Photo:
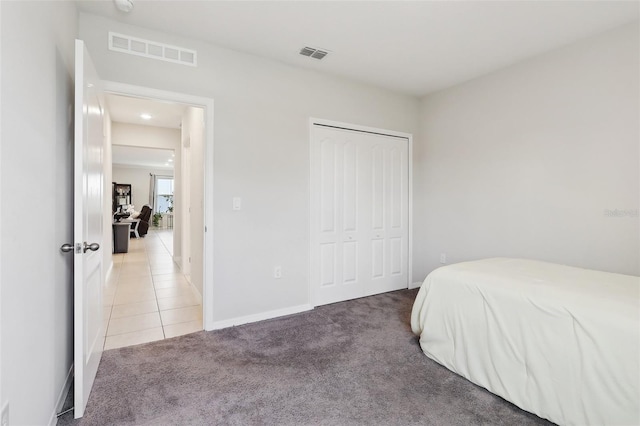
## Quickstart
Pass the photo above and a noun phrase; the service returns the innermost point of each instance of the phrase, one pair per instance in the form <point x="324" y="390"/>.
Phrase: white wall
<point x="2" y="400"/>
<point x="107" y="219"/>
<point x="36" y="175"/>
<point x="147" y="137"/>
<point x="192" y="127"/>
<point x="139" y="179"/>
<point x="262" y="111"/>
<point x="177" y="201"/>
<point x="524" y="162"/>
<point x="144" y="136"/>
<point x="182" y="198"/>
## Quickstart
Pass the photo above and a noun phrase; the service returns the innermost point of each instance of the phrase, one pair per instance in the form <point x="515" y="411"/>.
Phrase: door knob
<point x="65" y="248"/>
<point x="92" y="247"/>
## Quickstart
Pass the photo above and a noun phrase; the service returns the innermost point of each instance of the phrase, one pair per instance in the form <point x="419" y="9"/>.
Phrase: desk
<point x="121" y="237"/>
<point x="119" y="216"/>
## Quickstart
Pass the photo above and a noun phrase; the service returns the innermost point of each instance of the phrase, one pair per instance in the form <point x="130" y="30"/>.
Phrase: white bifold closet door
<point x="360" y="204"/>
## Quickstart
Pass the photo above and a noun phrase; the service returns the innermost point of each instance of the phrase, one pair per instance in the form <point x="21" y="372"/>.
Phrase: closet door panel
<point x="337" y="277"/>
<point x="328" y="264"/>
<point x="389" y="231"/>
<point x="359" y="214"/>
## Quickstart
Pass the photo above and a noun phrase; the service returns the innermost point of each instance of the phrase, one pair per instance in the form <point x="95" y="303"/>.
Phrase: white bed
<point x="558" y="341"/>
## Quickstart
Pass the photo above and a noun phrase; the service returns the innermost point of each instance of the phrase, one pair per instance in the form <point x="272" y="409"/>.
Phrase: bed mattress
<point x="558" y="341"/>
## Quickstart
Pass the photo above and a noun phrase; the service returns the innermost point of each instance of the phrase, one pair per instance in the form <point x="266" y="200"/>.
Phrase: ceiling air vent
<point x="151" y="49"/>
<point x="312" y="52"/>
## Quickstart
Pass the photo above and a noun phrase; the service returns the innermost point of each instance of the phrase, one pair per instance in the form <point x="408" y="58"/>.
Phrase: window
<point x="164" y="194"/>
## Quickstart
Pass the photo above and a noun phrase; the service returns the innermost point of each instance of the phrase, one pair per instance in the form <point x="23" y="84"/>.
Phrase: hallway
<point x="146" y="296"/>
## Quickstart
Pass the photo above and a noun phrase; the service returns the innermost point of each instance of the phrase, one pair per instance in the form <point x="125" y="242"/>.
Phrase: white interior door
<point x="338" y="191"/>
<point x="385" y="218"/>
<point x="88" y="184"/>
<point x="359" y="213"/>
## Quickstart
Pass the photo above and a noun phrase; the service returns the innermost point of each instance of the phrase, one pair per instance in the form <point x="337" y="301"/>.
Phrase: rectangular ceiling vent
<point x="312" y="52"/>
<point x="152" y="49"/>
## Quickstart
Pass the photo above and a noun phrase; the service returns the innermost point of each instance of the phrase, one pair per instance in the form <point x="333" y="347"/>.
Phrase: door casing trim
<point x="208" y="105"/>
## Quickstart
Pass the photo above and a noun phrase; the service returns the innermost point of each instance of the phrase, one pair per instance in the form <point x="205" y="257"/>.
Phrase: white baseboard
<point x="62" y="397"/>
<point x="217" y="325"/>
<point x="196" y="292"/>
<point x="415" y="285"/>
<point x="178" y="260"/>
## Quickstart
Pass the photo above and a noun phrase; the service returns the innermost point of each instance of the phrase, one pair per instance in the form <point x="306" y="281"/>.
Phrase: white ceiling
<point x="150" y="158"/>
<point x="415" y="47"/>
<point x="125" y="109"/>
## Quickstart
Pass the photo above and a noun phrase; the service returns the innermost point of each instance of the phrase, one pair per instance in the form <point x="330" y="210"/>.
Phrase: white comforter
<point x="558" y="341"/>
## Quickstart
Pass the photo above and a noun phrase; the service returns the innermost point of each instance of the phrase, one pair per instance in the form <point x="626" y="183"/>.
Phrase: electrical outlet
<point x="4" y="418"/>
<point x="443" y="258"/>
<point x="277" y="272"/>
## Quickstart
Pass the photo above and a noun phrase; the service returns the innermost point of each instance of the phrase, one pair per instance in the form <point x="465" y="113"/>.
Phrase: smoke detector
<point x="313" y="52"/>
<point x="125" y="6"/>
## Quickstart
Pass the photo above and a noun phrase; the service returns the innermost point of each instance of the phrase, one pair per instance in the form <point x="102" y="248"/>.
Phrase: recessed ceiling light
<point x="170" y="159"/>
<point x="145" y="116"/>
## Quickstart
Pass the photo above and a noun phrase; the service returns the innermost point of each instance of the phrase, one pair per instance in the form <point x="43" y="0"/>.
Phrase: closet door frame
<point x="314" y="262"/>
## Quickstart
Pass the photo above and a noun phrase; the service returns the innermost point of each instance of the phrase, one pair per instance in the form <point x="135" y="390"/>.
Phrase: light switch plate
<point x="237" y="203"/>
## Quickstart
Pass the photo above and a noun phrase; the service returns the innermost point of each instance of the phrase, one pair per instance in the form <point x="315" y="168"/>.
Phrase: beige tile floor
<point x="146" y="296"/>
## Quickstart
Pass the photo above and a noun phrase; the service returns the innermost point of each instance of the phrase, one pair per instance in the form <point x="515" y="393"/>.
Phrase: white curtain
<point x="152" y="190"/>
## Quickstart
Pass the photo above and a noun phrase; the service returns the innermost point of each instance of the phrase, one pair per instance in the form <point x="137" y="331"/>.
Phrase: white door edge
<point x="88" y="327"/>
<point x="313" y="160"/>
<point x="207" y="104"/>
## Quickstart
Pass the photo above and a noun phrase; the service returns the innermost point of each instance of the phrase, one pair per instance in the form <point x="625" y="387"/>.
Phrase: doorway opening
<point x="156" y="286"/>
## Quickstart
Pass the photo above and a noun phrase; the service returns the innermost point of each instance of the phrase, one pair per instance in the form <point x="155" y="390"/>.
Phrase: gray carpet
<point x="350" y="363"/>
